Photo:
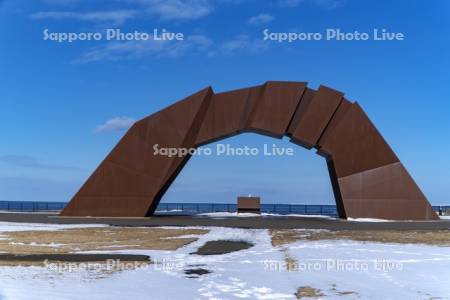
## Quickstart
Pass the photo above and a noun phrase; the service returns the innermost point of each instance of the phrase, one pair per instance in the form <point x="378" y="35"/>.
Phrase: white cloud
<point x="326" y="4"/>
<point x="115" y="124"/>
<point x="115" y="51"/>
<point x="62" y="2"/>
<point x="239" y="44"/>
<point x="115" y="16"/>
<point x="329" y="4"/>
<point x="178" y="9"/>
<point x="260" y="19"/>
<point x="289" y="3"/>
<point x="167" y="10"/>
<point x="138" y="49"/>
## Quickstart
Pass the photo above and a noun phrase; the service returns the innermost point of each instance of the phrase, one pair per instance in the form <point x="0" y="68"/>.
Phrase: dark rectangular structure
<point x="248" y="205"/>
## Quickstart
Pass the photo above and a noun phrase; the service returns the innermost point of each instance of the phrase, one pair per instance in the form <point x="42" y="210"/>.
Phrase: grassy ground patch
<point x="94" y="239"/>
<point x="308" y="292"/>
<point x="437" y="237"/>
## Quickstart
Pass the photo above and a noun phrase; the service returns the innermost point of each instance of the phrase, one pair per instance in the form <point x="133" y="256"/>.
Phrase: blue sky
<point x="56" y="98"/>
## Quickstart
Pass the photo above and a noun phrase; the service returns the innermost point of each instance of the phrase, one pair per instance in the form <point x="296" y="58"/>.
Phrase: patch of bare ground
<point x="96" y="239"/>
<point x="436" y="238"/>
<point x="222" y="247"/>
<point x="308" y="292"/>
<point x="291" y="263"/>
<point x="102" y="266"/>
<point x="341" y="293"/>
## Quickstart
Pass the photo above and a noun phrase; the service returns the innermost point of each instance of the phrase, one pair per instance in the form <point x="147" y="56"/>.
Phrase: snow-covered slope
<point x="390" y="271"/>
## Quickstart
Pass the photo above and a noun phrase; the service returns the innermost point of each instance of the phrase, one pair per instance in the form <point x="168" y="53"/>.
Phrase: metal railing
<point x="31" y="206"/>
<point x="198" y="208"/>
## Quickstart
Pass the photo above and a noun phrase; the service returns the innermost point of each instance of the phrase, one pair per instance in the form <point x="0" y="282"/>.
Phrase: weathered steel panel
<point x="367" y="177"/>
<point x="315" y="116"/>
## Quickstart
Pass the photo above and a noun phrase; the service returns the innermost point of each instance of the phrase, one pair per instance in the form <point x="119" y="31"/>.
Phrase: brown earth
<point x="436" y="238"/>
<point x="308" y="292"/>
<point x="94" y="239"/>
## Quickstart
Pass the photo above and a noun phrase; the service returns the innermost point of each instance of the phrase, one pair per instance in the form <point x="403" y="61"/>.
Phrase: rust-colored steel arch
<point x="367" y="177"/>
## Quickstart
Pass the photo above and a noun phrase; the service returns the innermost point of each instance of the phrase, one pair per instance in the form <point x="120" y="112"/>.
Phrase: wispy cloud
<point x="239" y="44"/>
<point x="260" y="19"/>
<point x="115" y="124"/>
<point x="330" y="4"/>
<point x="178" y="9"/>
<point x="326" y="4"/>
<point x="114" y="51"/>
<point x="167" y="10"/>
<point x="62" y="2"/>
<point x="116" y="17"/>
<point x="288" y="3"/>
<point x="33" y="162"/>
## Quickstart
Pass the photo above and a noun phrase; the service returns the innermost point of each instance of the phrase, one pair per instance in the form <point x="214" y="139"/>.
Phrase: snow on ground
<point x="374" y="270"/>
<point x="244" y="215"/>
<point x="46" y="212"/>
<point x="11" y="226"/>
<point x="384" y="220"/>
<point x="369" y="220"/>
<point x="234" y="275"/>
<point x="353" y="269"/>
<point x="169" y="211"/>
